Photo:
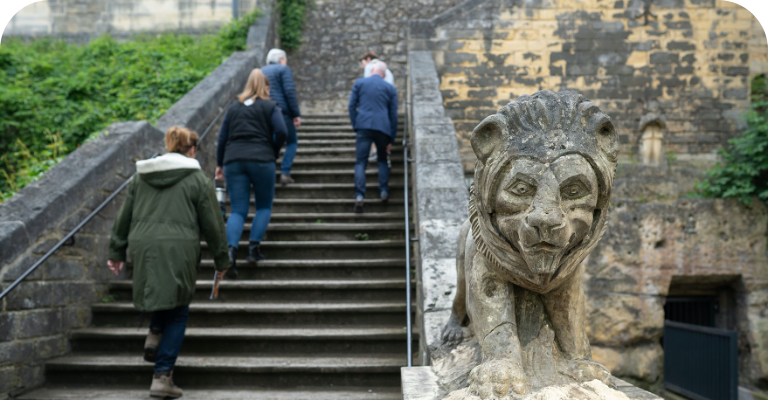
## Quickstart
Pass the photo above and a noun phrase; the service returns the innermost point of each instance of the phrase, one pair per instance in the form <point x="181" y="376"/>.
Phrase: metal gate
<point x="700" y="362"/>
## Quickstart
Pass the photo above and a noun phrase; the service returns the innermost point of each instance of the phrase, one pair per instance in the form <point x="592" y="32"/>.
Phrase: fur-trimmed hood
<point x="166" y="170"/>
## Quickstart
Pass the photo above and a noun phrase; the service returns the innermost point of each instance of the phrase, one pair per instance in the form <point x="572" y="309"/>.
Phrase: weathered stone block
<point x="443" y="203"/>
<point x="7" y="326"/>
<point x="16" y="352"/>
<point x="39" y="323"/>
<point x="620" y="320"/>
<point x="642" y="362"/>
<point x="28" y="295"/>
<point x="438" y="238"/>
<point x="438" y="283"/>
<point x="437" y="176"/>
<point x="439" y="150"/>
<point x="51" y="347"/>
<point x="56" y="268"/>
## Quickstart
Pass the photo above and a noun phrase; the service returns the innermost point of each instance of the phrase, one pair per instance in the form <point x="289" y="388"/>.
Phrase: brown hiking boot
<point x="286" y="179"/>
<point x="151" y="345"/>
<point x="163" y="387"/>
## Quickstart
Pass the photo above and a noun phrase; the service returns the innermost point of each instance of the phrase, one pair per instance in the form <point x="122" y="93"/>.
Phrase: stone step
<point x="321" y="164"/>
<point x="272" y="291"/>
<point x="341" y="176"/>
<point x="342" y="205"/>
<point x="321" y="249"/>
<point x="392" y="216"/>
<point x="211" y="372"/>
<point x="141" y="391"/>
<point x="303" y="231"/>
<point x="211" y="313"/>
<point x="252" y="341"/>
<point x="316" y="269"/>
<point x="339" y="135"/>
<point x="333" y="190"/>
<point x="341" y="151"/>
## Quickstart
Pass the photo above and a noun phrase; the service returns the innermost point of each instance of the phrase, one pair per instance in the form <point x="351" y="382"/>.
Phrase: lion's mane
<point x="542" y="126"/>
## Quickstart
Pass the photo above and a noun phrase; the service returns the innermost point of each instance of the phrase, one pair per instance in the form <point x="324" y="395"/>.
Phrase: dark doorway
<point x="700" y="343"/>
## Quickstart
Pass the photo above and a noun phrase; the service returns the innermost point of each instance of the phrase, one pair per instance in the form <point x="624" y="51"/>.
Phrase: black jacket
<point x="251" y="131"/>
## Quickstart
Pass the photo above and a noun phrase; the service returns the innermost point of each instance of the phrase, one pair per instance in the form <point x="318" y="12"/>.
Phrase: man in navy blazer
<point x="373" y="112"/>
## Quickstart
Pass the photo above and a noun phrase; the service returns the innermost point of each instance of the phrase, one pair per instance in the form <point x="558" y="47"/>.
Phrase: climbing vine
<point x="292" y="16"/>
<point x="744" y="170"/>
<point x="54" y="95"/>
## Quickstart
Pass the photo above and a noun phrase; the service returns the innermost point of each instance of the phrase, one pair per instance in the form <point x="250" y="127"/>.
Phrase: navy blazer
<point x="373" y="105"/>
<point x="281" y="88"/>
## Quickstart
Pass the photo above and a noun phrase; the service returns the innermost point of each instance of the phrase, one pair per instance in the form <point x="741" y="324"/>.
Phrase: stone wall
<point x="338" y="32"/>
<point x="36" y="318"/>
<point x="88" y="18"/>
<point x="441" y="199"/>
<point x="657" y="243"/>
<point x="691" y="62"/>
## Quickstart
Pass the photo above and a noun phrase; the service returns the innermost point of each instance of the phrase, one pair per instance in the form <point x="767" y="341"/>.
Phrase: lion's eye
<point x="521" y="188"/>
<point x="573" y="191"/>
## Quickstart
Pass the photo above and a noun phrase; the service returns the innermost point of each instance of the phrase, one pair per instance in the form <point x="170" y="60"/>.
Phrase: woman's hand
<point x="220" y="275"/>
<point x="115" y="266"/>
<point x="297" y="122"/>
<point x="219" y="173"/>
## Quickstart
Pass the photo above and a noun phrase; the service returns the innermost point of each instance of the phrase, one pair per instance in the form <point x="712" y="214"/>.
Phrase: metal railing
<point x="700" y="362"/>
<point x="90" y="216"/>
<point x="406" y="160"/>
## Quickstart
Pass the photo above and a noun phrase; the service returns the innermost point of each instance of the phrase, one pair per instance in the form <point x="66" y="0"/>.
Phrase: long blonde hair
<point x="180" y="140"/>
<point x="257" y="86"/>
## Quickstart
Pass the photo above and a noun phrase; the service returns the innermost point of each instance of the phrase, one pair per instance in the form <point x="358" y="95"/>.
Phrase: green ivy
<point x="54" y="95"/>
<point x="292" y="15"/>
<point x="744" y="171"/>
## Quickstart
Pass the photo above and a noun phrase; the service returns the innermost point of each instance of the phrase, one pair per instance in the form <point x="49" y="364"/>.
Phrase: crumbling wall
<point x="691" y="62"/>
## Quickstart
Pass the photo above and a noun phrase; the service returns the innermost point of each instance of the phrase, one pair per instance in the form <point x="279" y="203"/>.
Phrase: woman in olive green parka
<point x="170" y="204"/>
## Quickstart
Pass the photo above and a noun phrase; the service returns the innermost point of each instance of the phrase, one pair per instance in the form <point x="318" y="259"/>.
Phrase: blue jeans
<point x="362" y="148"/>
<point x="291" y="145"/>
<point x="173" y="324"/>
<point x="240" y="175"/>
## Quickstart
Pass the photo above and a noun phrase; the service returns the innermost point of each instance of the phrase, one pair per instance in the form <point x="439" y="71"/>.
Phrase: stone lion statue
<point x="538" y="207"/>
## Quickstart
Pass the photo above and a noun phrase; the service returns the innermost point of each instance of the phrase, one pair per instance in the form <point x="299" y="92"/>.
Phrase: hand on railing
<point x="115" y="266"/>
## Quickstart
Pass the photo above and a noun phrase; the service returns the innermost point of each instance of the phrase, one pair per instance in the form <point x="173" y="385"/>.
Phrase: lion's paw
<point x="493" y="379"/>
<point x="586" y="370"/>
<point x="453" y="333"/>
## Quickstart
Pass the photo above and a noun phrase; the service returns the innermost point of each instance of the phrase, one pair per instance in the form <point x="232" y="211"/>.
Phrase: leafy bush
<point x="292" y="14"/>
<point x="54" y="95"/>
<point x="745" y="170"/>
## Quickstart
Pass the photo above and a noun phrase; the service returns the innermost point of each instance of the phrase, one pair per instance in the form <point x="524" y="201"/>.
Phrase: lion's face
<point x="544" y="210"/>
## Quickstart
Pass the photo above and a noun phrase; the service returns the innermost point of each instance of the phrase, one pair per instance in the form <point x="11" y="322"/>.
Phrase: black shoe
<point x="232" y="271"/>
<point x="358" y="206"/>
<point x="254" y="255"/>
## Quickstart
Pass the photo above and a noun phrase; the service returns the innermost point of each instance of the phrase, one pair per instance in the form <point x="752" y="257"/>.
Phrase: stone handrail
<point x="441" y="199"/>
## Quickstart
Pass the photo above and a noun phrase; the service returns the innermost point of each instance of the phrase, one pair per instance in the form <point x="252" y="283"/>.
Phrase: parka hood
<point x="166" y="170"/>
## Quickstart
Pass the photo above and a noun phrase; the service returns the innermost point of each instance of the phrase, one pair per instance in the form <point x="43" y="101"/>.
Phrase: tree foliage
<point x="744" y="171"/>
<point x="54" y="95"/>
<point x="292" y="15"/>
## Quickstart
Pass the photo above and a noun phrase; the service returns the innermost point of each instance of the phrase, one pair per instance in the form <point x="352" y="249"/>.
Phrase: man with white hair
<point x="283" y="91"/>
<point x="373" y="112"/>
<point x="370" y="59"/>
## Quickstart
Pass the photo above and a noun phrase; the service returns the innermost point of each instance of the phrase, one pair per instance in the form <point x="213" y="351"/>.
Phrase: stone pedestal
<point x="421" y="383"/>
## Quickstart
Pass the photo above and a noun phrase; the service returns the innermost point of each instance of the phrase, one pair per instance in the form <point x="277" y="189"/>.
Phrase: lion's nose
<point x="545" y="220"/>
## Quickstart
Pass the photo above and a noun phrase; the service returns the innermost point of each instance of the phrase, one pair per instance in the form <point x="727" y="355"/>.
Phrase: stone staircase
<point x="322" y="318"/>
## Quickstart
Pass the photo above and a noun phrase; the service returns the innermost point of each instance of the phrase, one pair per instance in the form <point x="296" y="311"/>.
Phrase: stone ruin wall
<point x="337" y="32"/>
<point x="691" y="63"/>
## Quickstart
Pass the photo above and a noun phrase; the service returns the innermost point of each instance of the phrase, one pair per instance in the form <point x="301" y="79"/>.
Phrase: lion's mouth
<point x="545" y="247"/>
